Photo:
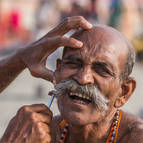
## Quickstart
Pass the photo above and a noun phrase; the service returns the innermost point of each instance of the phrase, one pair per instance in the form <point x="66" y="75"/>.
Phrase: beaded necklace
<point x="112" y="137"/>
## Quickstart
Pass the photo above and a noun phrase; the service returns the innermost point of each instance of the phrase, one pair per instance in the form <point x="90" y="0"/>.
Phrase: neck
<point x="93" y="132"/>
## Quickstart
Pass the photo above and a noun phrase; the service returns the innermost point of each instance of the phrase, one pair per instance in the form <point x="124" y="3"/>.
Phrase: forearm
<point x="10" y="67"/>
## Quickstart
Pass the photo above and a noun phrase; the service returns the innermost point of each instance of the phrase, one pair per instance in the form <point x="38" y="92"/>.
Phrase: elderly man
<point x="91" y="82"/>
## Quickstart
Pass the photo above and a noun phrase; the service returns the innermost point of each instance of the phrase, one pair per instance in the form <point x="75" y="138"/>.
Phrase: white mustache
<point x="89" y="90"/>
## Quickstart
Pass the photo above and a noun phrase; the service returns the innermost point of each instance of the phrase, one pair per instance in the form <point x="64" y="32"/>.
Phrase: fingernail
<point x="79" y="44"/>
<point x="90" y="25"/>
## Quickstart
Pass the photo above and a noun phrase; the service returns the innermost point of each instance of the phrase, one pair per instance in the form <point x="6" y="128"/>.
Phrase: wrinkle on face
<point x="104" y="44"/>
<point x="102" y="47"/>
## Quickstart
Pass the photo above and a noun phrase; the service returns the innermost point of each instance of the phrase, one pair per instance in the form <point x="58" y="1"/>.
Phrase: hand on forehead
<point x="100" y="38"/>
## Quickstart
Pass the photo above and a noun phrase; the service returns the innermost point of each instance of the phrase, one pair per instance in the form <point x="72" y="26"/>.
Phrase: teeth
<point x="80" y="95"/>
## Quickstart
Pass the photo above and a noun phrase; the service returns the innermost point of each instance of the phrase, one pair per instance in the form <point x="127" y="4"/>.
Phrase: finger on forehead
<point x="64" y="41"/>
<point x="71" y="42"/>
<point x="75" y="23"/>
<point x="80" y="23"/>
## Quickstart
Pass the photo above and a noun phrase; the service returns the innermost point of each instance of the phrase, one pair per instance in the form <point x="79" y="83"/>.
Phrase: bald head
<point x="102" y="38"/>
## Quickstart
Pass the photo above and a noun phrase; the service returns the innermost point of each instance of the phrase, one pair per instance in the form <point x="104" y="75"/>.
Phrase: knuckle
<point x="23" y="110"/>
<point x="81" y="18"/>
<point x="67" y="21"/>
<point x="33" y="117"/>
<point x="39" y="129"/>
<point x="47" y="110"/>
<point x="70" y="40"/>
<point x="48" y="139"/>
<point x="43" y="105"/>
<point x="62" y="40"/>
<point x="38" y="126"/>
<point x="42" y="132"/>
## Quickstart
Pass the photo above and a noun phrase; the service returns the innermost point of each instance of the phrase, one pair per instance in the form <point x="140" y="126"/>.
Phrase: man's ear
<point x="58" y="63"/>
<point x="127" y="88"/>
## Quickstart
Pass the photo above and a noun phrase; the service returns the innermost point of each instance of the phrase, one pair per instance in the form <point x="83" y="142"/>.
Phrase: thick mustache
<point x="89" y="90"/>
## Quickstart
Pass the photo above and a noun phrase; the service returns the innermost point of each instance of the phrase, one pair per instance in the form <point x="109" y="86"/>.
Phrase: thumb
<point x="40" y="71"/>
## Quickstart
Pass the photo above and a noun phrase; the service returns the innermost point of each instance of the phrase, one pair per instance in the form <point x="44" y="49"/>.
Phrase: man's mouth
<point x="80" y="98"/>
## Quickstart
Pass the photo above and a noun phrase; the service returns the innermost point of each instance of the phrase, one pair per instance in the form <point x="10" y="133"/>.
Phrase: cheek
<point x="61" y="103"/>
<point x="111" y="89"/>
<point x="108" y="86"/>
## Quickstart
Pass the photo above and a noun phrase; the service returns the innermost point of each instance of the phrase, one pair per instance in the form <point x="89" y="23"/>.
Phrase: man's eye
<point x="72" y="64"/>
<point x="102" y="71"/>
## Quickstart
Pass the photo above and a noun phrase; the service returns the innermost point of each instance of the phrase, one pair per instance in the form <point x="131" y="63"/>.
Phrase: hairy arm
<point x="10" y="68"/>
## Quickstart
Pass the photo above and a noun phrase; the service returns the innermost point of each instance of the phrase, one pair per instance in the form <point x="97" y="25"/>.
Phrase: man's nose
<point x="84" y="76"/>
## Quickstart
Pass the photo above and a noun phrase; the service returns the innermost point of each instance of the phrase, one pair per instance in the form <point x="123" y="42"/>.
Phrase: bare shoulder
<point x="55" y="128"/>
<point x="131" y="129"/>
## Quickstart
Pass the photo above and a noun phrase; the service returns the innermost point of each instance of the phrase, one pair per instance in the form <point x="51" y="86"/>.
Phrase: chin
<point x="79" y="119"/>
<point x="78" y="114"/>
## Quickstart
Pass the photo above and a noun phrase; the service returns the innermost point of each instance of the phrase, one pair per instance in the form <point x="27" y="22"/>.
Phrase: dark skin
<point x="34" y="56"/>
<point x="100" y="61"/>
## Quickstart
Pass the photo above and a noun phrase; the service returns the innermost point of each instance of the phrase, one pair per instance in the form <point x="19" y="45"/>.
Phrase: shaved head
<point x="105" y="36"/>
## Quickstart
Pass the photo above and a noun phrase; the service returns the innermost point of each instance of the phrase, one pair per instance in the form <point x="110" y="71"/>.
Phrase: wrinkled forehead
<point x="99" y="42"/>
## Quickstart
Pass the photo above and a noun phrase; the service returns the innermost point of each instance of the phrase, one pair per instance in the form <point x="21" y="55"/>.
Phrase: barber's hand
<point x="30" y="125"/>
<point x="34" y="57"/>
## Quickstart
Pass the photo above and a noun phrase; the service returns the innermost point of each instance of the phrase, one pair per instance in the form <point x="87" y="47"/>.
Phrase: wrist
<point x="18" y="59"/>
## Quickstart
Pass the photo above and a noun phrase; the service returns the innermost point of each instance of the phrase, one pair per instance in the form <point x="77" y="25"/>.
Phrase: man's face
<point x="98" y="63"/>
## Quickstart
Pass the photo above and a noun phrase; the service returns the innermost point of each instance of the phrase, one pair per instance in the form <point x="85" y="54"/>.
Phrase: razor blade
<point x="51" y="101"/>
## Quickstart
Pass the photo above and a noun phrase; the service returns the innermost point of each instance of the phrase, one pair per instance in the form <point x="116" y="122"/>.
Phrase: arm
<point x="34" y="56"/>
<point x="10" y="67"/>
<point x="32" y="124"/>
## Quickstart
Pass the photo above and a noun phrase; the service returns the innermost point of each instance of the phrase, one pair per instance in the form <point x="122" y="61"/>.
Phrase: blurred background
<point x="24" y="21"/>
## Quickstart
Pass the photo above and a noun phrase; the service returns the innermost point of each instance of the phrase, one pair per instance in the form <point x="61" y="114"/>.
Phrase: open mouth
<point x="79" y="98"/>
